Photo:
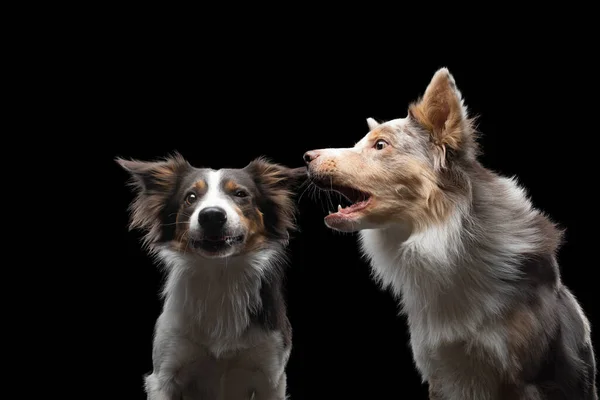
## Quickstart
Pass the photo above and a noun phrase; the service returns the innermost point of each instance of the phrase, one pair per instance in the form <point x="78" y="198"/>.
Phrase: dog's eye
<point x="380" y="144"/>
<point x="240" y="193"/>
<point x="191" y="198"/>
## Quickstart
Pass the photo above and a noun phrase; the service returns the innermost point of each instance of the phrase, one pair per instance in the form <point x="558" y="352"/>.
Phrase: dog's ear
<point x="272" y="176"/>
<point x="372" y="123"/>
<point x="296" y="176"/>
<point x="153" y="183"/>
<point x="277" y="183"/>
<point x="148" y="176"/>
<point x="441" y="112"/>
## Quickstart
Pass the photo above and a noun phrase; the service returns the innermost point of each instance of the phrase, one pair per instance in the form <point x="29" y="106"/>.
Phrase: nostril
<point x="309" y="156"/>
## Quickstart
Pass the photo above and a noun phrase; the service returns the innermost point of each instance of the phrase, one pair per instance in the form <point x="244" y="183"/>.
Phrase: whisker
<point x="308" y="186"/>
<point x="313" y="192"/>
<point x="176" y="223"/>
<point x="324" y="204"/>
<point x="329" y="193"/>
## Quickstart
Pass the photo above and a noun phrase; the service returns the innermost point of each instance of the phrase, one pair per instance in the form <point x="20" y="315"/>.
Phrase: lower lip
<point x="216" y="244"/>
<point x="220" y="238"/>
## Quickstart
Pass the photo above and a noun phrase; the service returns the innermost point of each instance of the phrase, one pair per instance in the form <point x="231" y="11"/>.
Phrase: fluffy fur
<point x="223" y="332"/>
<point x="471" y="260"/>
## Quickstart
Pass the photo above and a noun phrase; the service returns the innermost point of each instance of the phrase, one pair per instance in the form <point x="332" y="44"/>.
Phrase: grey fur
<point x="488" y="315"/>
<point x="223" y="333"/>
<point x="460" y="287"/>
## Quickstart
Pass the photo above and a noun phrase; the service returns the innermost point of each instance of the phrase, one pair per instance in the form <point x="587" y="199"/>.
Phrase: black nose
<point x="212" y="218"/>
<point x="310" y="155"/>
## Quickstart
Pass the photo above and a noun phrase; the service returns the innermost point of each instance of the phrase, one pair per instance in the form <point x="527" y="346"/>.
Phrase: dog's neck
<point x="460" y="270"/>
<point x="216" y="297"/>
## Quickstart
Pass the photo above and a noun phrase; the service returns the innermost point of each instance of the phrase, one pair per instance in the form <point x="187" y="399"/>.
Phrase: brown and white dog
<point x="221" y="236"/>
<point x="471" y="260"/>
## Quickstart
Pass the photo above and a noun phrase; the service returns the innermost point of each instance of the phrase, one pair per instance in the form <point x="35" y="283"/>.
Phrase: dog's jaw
<point x="342" y="223"/>
<point x="349" y="219"/>
<point x="220" y="248"/>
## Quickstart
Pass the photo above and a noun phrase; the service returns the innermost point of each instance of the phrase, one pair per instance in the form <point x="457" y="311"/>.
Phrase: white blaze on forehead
<point x="215" y="197"/>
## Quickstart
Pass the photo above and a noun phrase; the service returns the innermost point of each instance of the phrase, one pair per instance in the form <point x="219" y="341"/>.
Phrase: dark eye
<point x="240" y="193"/>
<point x="380" y="144"/>
<point x="191" y="198"/>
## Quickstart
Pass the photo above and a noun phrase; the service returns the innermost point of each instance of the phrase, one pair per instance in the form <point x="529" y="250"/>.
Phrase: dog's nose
<point x="310" y="155"/>
<point x="212" y="218"/>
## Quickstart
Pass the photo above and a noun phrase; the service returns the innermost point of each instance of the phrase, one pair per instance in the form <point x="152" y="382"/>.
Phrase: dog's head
<point x="212" y="213"/>
<point x="402" y="171"/>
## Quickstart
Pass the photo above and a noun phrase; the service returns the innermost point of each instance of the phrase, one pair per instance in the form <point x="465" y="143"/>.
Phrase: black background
<point x="223" y="103"/>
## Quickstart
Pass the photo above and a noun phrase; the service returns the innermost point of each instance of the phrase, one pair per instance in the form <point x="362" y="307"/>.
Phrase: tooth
<point x="339" y="207"/>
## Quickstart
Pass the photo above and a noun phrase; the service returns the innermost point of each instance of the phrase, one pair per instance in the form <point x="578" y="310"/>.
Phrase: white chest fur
<point x="205" y="341"/>
<point x="447" y="299"/>
<point x="213" y="300"/>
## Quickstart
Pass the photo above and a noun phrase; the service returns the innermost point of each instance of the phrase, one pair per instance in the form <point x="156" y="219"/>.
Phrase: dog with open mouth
<point x="221" y="236"/>
<point x="471" y="260"/>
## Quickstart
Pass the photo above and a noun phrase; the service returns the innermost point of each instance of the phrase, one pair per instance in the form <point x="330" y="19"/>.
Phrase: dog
<point x="221" y="236"/>
<point x="472" y="262"/>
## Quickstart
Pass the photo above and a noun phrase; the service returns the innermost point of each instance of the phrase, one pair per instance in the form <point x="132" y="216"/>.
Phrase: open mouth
<point x="215" y="244"/>
<point x="353" y="200"/>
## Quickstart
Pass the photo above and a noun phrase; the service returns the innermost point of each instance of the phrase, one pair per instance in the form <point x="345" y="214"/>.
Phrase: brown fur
<point x="274" y="183"/>
<point x="439" y="111"/>
<point x="257" y="235"/>
<point x="153" y="183"/>
<point x="201" y="186"/>
<point x="252" y="218"/>
<point x="407" y="188"/>
<point x="231" y="186"/>
<point x="423" y="203"/>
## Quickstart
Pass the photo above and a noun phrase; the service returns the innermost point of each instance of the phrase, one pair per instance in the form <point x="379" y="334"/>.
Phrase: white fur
<point x="447" y="286"/>
<point x="215" y="197"/>
<point x="203" y="330"/>
<point x="361" y="145"/>
<point x="372" y="123"/>
<point x="473" y="329"/>
<point x="205" y="345"/>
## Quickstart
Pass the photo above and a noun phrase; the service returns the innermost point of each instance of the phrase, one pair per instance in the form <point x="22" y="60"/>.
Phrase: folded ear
<point x="441" y="111"/>
<point x="154" y="183"/>
<point x="372" y="123"/>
